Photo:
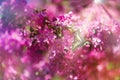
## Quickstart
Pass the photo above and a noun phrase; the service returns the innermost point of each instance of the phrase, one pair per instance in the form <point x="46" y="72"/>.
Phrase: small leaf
<point x="78" y="40"/>
<point x="117" y="77"/>
<point x="110" y="66"/>
<point x="56" y="77"/>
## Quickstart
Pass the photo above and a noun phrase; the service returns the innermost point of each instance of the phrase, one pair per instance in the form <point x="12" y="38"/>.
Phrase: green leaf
<point x="56" y="77"/>
<point x="110" y="66"/>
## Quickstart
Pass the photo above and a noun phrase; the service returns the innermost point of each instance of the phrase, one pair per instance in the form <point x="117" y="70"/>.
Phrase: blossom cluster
<point x="39" y="40"/>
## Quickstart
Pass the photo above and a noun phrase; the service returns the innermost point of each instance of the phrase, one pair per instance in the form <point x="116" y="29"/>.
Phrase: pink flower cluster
<point x="37" y="44"/>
